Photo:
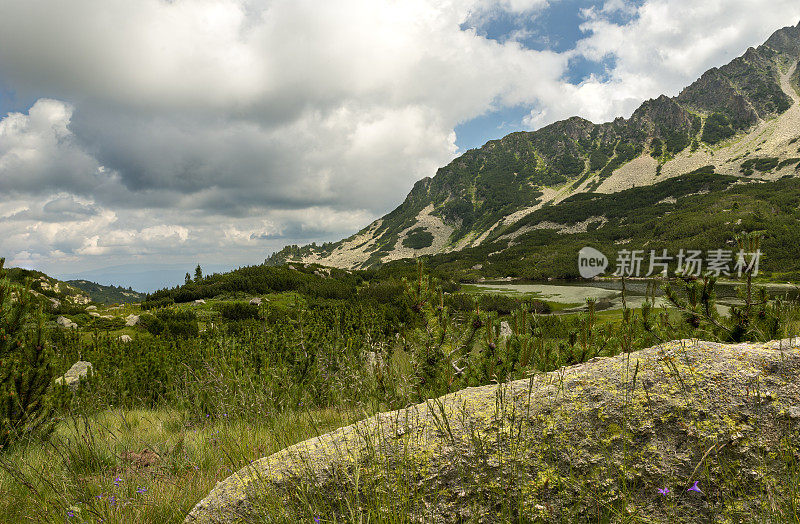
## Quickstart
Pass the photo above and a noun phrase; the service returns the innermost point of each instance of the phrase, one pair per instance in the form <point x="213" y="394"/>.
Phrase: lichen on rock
<point x="589" y="442"/>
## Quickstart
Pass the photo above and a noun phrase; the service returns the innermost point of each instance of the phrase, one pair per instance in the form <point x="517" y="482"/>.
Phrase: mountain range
<point x="735" y="128"/>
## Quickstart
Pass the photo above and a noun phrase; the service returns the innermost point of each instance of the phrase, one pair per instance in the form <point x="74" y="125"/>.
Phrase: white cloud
<point x="232" y="127"/>
<point x="665" y="47"/>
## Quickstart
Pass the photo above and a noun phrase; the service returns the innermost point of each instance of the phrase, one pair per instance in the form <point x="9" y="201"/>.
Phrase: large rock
<point x="125" y="339"/>
<point x="591" y="442"/>
<point x="255" y="301"/>
<point x="73" y="376"/>
<point x="131" y="320"/>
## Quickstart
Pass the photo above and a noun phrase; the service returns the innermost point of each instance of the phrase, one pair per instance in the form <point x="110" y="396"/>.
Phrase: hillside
<point x="740" y="120"/>
<point x="107" y="294"/>
<point x="48" y="289"/>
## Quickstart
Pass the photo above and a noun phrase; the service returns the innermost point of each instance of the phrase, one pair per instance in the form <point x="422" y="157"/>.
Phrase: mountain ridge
<point x="731" y="112"/>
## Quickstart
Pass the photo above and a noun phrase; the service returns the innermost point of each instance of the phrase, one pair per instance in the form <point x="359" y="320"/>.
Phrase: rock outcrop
<point x="131" y="320"/>
<point x="591" y="442"/>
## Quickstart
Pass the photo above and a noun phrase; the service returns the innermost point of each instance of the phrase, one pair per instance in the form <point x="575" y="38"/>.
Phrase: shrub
<point x="717" y="129"/>
<point x="418" y="238"/>
<point x="25" y="367"/>
<point x="237" y="310"/>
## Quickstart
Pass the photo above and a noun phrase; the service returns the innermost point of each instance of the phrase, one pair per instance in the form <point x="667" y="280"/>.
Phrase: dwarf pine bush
<point x="25" y="366"/>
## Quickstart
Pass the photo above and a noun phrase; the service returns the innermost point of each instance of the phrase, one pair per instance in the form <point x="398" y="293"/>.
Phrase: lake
<point x="608" y="293"/>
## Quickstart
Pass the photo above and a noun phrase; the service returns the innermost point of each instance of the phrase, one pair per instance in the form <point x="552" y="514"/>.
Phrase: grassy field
<point x="142" y="465"/>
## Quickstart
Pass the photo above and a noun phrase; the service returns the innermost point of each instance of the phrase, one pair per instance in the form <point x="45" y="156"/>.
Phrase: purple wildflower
<point x="117" y="481"/>
<point x="694" y="487"/>
<point x="141" y="490"/>
<point x="70" y="514"/>
<point x="664" y="491"/>
<point x="316" y="519"/>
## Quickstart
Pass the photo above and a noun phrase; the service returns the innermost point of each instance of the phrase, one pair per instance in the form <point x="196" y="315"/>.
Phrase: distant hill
<point x="48" y="289"/>
<point x="107" y="294"/>
<point x="739" y="122"/>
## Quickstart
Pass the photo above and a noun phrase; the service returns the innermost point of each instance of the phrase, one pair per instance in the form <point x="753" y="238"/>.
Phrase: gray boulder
<point x="505" y="330"/>
<point x="255" y="301"/>
<point x="125" y="339"/>
<point x="74" y="375"/>
<point x="131" y="320"/>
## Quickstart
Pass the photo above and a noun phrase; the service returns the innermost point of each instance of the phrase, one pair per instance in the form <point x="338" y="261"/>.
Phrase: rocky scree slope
<point x="745" y="111"/>
<point x="595" y="440"/>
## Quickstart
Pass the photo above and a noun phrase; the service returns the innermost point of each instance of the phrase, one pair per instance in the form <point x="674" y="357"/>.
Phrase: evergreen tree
<point x="198" y="274"/>
<point x="188" y="277"/>
<point x="25" y="366"/>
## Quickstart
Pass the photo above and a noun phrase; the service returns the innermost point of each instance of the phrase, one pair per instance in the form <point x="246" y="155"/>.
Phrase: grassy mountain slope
<point x="75" y="292"/>
<point x="743" y="119"/>
<point x="107" y="294"/>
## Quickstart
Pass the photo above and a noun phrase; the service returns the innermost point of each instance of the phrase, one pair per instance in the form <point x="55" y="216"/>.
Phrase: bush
<point x="171" y="323"/>
<point x="418" y="238"/>
<point x="106" y="324"/>
<point x="25" y="371"/>
<point x="157" y="303"/>
<point x="237" y="310"/>
<point x="762" y="165"/>
<point x="717" y="129"/>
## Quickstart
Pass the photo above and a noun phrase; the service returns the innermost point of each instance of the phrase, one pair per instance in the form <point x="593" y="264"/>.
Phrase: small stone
<point x="505" y="330"/>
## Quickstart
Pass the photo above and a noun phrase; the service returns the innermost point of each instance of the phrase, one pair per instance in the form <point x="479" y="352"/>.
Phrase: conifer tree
<point x="25" y="366"/>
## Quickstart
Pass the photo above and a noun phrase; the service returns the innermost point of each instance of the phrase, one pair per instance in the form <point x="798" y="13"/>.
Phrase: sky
<point x="166" y="133"/>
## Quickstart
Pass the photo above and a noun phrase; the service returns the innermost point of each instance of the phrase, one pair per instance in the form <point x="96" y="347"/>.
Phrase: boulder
<point x="66" y="323"/>
<point x="200" y="301"/>
<point x="74" y="375"/>
<point x="255" y="301"/>
<point x="593" y="439"/>
<point x="91" y="308"/>
<point x="125" y="339"/>
<point x="55" y="303"/>
<point x="131" y="320"/>
<point x="94" y="314"/>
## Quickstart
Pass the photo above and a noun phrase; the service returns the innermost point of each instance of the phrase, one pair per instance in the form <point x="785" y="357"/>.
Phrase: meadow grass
<point x="141" y="465"/>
